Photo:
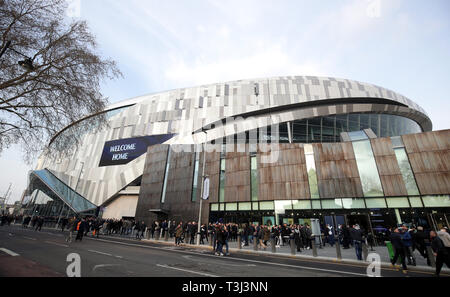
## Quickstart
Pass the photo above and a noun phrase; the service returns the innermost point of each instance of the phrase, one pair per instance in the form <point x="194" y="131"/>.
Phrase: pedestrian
<point x="399" y="247"/>
<point x="81" y="229"/>
<point x="330" y="235"/>
<point x="419" y="243"/>
<point x="408" y="243"/>
<point x="357" y="238"/>
<point x="346" y="236"/>
<point x="39" y="223"/>
<point x="298" y="238"/>
<point x="178" y="233"/>
<point x="440" y="251"/>
<point x="63" y="224"/>
<point x="220" y="237"/>
<point x="72" y="227"/>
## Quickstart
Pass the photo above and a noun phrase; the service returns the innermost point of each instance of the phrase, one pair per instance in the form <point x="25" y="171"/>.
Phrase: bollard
<point x="211" y="239"/>
<point x="147" y="233"/>
<point x="166" y="237"/>
<point x="292" y="243"/>
<point x="255" y="243"/>
<point x="157" y="235"/>
<point x="272" y="244"/>
<point x="338" y="249"/>
<point x="365" y="252"/>
<point x="239" y="245"/>
<point x="430" y="253"/>
<point x="313" y="243"/>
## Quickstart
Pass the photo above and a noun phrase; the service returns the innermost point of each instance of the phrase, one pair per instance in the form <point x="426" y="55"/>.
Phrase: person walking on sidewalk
<point x="357" y="237"/>
<point x="178" y="233"/>
<point x="408" y="243"/>
<point x="72" y="227"/>
<point x="399" y="247"/>
<point x="220" y="238"/>
<point x="298" y="238"/>
<point x="81" y="228"/>
<point x="440" y="251"/>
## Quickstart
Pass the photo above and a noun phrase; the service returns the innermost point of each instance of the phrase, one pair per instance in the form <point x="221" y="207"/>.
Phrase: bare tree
<point x="59" y="84"/>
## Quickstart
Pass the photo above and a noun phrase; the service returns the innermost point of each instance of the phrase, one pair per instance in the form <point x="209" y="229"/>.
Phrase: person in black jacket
<point x="440" y="252"/>
<point x="82" y="226"/>
<point x="220" y="238"/>
<point x="357" y="237"/>
<point x="397" y="243"/>
<point x="40" y="222"/>
<point x="419" y="243"/>
<point x="298" y="238"/>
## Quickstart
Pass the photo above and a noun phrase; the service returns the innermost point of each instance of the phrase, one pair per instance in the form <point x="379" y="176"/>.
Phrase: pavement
<point x="46" y="253"/>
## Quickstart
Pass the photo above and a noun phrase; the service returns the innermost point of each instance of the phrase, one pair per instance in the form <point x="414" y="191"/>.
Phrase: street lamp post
<point x="202" y="189"/>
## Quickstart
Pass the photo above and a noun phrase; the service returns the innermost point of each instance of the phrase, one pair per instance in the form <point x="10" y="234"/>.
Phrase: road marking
<point x="30" y="238"/>
<point x="185" y="270"/>
<point x="226" y="264"/>
<point x="104" y="265"/>
<point x="55" y="243"/>
<point x="106" y="254"/>
<point x="101" y="253"/>
<point x="11" y="253"/>
<point x="239" y="259"/>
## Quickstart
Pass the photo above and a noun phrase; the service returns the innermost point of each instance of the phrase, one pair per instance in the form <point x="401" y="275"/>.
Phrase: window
<point x="166" y="174"/>
<point x="301" y="204"/>
<point x="222" y="181"/>
<point x="266" y="205"/>
<point x="332" y="204"/>
<point x="436" y="201"/>
<point x="405" y="169"/>
<point x="254" y="183"/>
<point x="195" y="178"/>
<point x="351" y="203"/>
<point x="311" y="169"/>
<point x="397" y="202"/>
<point x="376" y="203"/>
<point x="368" y="172"/>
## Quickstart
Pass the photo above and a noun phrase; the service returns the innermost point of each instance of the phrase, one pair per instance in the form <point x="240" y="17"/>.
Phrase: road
<point x="25" y="252"/>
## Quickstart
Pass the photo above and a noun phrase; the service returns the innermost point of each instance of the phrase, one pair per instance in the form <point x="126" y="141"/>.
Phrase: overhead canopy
<point x="45" y="181"/>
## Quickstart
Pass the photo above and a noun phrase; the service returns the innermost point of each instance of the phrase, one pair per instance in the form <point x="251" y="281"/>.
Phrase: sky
<point x="402" y="45"/>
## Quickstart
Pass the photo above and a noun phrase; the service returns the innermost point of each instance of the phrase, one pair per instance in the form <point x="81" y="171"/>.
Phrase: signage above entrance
<point x="122" y="151"/>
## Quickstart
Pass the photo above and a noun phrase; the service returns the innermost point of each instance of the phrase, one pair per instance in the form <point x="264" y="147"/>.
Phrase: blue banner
<point x="122" y="151"/>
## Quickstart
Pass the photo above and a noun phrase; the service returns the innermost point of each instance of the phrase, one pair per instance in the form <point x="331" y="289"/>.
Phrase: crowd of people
<point x="404" y="240"/>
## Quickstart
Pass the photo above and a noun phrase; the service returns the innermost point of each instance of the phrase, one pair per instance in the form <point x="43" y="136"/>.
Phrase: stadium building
<point x="279" y="150"/>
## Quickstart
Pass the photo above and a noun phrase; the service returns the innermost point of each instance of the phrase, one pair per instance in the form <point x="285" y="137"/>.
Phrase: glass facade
<point x="280" y="206"/>
<point x="195" y="178"/>
<point x="222" y="181"/>
<point x="312" y="174"/>
<point x="55" y="187"/>
<point x="405" y="169"/>
<point x="166" y="174"/>
<point x="254" y="182"/>
<point x="328" y="128"/>
<point x="368" y="172"/>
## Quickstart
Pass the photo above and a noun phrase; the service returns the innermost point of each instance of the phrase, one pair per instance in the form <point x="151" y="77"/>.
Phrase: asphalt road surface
<point x="25" y="252"/>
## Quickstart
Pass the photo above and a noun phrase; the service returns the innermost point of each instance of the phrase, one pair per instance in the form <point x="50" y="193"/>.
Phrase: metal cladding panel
<point x="183" y="111"/>
<point x="429" y="156"/>
<point x="337" y="173"/>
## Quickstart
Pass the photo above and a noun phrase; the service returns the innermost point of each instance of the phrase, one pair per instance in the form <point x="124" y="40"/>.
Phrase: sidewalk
<point x="323" y="254"/>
